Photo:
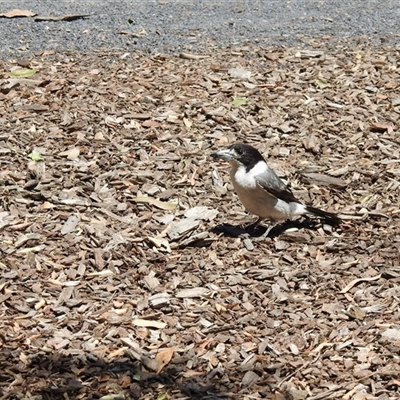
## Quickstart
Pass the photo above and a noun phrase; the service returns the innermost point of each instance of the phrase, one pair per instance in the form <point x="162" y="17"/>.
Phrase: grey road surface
<point x="194" y="25"/>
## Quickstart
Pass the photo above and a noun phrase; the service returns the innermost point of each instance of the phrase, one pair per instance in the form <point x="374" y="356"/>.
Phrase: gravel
<point x="172" y="26"/>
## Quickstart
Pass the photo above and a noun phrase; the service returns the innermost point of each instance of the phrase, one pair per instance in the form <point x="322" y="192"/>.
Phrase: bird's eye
<point x="239" y="152"/>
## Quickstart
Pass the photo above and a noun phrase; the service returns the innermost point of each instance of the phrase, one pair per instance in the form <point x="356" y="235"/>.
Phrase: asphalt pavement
<point x="173" y="26"/>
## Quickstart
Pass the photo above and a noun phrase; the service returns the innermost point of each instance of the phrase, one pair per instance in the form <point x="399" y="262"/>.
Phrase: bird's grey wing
<point x="274" y="186"/>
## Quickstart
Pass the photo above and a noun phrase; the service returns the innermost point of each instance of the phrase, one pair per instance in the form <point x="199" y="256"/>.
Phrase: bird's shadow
<point x="77" y="377"/>
<point x="260" y="230"/>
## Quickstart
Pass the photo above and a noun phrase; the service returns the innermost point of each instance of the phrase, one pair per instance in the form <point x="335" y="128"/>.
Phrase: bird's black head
<point x="242" y="154"/>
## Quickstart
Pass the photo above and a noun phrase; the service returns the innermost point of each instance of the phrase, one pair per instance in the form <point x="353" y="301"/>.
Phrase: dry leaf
<point x="249" y="379"/>
<point x="104" y="377"/>
<point x="40" y="304"/>
<point x="67" y="17"/>
<point x="201" y="212"/>
<point x="192" y="56"/>
<point x="238" y="73"/>
<point x="104" y="272"/>
<point x="150" y="124"/>
<point x="163" y="357"/>
<point x="193" y="292"/>
<point x="377" y="127"/>
<point x="24" y="73"/>
<point x="139" y="116"/>
<point x="125" y="381"/>
<point x="71" y="154"/>
<point x="118" y="396"/>
<point x="17" y="13"/>
<point x="325" y="180"/>
<point x="148" y="323"/>
<point x="272" y="56"/>
<point x="312" y="143"/>
<point x="35" y="249"/>
<point x="356" y="312"/>
<point x="180" y="228"/>
<point x="188" y="123"/>
<point x="70" y="224"/>
<point x="322" y="84"/>
<point x="160" y="204"/>
<point x="391" y="334"/>
<point x="358" y="280"/>
<point x="160" y="243"/>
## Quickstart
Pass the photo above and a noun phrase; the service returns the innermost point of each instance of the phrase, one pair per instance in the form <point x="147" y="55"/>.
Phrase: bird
<point x="261" y="191"/>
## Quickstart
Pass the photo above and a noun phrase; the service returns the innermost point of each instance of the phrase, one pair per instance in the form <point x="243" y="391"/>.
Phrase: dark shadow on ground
<point x="53" y="376"/>
<point x="260" y="230"/>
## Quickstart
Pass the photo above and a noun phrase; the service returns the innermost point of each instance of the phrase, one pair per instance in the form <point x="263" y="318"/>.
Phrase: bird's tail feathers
<point x="331" y="218"/>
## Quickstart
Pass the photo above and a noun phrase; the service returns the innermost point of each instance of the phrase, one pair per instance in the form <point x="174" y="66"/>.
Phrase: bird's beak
<point x="223" y="155"/>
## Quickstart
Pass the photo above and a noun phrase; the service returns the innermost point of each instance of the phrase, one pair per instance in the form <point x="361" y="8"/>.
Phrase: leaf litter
<point x="125" y="271"/>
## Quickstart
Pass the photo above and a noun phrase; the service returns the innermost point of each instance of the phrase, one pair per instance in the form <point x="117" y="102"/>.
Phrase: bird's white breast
<point x="247" y="179"/>
<point x="258" y="201"/>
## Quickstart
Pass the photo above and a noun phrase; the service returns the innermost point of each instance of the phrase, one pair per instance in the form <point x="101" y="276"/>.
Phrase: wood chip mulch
<point x="125" y="269"/>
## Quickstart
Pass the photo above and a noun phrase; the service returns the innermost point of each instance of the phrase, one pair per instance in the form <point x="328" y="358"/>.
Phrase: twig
<point x="297" y="370"/>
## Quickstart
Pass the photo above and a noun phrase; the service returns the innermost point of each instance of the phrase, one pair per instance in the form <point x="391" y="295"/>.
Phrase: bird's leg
<point x="265" y="234"/>
<point x="249" y="229"/>
<point x="269" y="229"/>
<point x="254" y="224"/>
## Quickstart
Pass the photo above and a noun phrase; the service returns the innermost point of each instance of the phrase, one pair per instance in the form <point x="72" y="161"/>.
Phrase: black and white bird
<point x="261" y="191"/>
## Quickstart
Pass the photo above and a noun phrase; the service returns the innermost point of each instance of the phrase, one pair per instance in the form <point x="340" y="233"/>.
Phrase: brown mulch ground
<point x="125" y="272"/>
